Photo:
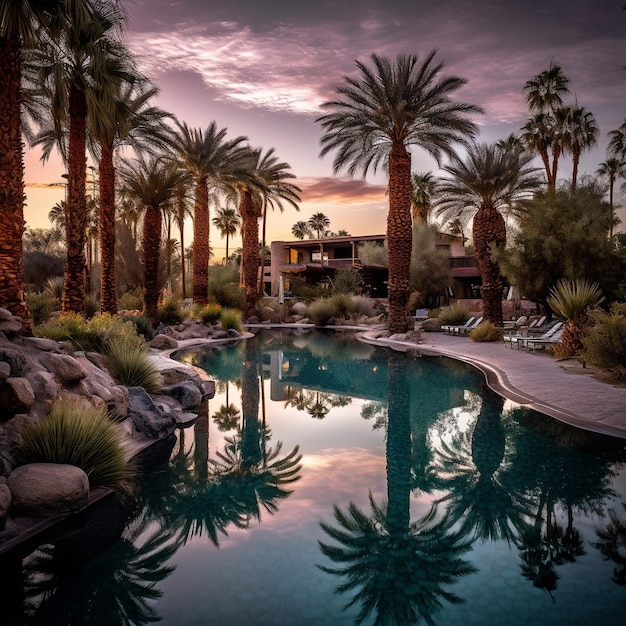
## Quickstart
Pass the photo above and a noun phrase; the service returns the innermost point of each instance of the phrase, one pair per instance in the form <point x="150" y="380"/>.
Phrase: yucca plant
<point x="570" y="300"/>
<point x="130" y="366"/>
<point x="78" y="435"/>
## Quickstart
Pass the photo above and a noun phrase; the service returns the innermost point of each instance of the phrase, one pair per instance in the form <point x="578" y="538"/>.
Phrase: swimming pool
<point x="334" y="482"/>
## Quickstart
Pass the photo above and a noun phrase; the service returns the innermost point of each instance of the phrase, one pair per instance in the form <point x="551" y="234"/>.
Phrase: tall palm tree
<point x="76" y="68"/>
<point x="152" y="182"/>
<point x="581" y="134"/>
<point x="227" y="221"/>
<point x="423" y="184"/>
<point x="617" y="142"/>
<point x="300" y="230"/>
<point x="207" y="156"/>
<point x="389" y="107"/>
<point x="129" y="119"/>
<point x="543" y="132"/>
<point x="611" y="169"/>
<point x="490" y="180"/>
<point x="18" y="29"/>
<point x="319" y="223"/>
<point x="181" y="212"/>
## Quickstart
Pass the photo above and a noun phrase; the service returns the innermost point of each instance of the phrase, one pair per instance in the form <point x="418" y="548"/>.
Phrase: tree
<point x="227" y="222"/>
<point x="543" y="133"/>
<point x="300" y="230"/>
<point x="319" y="223"/>
<point x="74" y="69"/>
<point x="581" y="134"/>
<point x="611" y="169"/>
<point x="490" y="180"/>
<point x="430" y="265"/>
<point x="391" y="106"/>
<point x="617" y="142"/>
<point x="421" y="200"/>
<point x="207" y="156"/>
<point x="562" y="235"/>
<point x="153" y="183"/>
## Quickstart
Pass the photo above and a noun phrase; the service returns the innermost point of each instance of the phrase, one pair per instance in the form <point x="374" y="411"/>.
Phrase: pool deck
<point x="563" y="389"/>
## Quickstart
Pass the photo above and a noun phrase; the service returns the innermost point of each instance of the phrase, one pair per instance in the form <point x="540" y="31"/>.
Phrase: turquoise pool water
<point x="330" y="482"/>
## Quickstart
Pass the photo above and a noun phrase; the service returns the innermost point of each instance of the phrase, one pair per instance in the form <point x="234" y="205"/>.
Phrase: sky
<point x="262" y="69"/>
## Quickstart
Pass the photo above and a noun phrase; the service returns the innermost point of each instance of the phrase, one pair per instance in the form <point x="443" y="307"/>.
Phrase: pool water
<point x="331" y="482"/>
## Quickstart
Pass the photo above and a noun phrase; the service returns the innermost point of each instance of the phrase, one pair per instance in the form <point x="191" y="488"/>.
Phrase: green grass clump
<point x="338" y="306"/>
<point x="485" y="331"/>
<point x="41" y="306"/>
<point x="170" y="312"/>
<point x="230" y="318"/>
<point x="130" y="366"/>
<point x="131" y="301"/>
<point x="78" y="435"/>
<point x="604" y="345"/>
<point x="454" y="315"/>
<point x="209" y="314"/>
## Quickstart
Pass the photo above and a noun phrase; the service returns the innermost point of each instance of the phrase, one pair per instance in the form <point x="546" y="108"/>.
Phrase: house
<point x="316" y="261"/>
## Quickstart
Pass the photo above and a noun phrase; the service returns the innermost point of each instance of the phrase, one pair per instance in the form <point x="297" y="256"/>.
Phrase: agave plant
<point x="570" y="300"/>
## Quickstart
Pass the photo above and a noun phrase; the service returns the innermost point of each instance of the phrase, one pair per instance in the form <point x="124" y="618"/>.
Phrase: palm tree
<point x="421" y="200"/>
<point x="18" y="29"/>
<point x="227" y="222"/>
<point x="542" y="134"/>
<point x="74" y="71"/>
<point x="611" y="169"/>
<point x="391" y="106"/>
<point x="492" y="179"/>
<point x="300" y="230"/>
<point x="207" y="156"/>
<point x="153" y="183"/>
<point x="129" y="119"/>
<point x="617" y="142"/>
<point x="319" y="223"/>
<point x="581" y="134"/>
<point x="181" y="212"/>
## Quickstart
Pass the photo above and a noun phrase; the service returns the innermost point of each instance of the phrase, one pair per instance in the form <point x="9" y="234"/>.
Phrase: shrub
<point x="301" y="290"/>
<point x="348" y="280"/>
<point x="131" y="301"/>
<point x="337" y="306"/>
<point x="142" y="324"/>
<point x="78" y="435"/>
<point x="224" y="286"/>
<point x="64" y="328"/>
<point x="605" y="343"/>
<point x="41" y="306"/>
<point x="92" y="305"/>
<point x="230" y="318"/>
<point x="454" y="314"/>
<point x="170" y="312"/>
<point x="485" y="331"/>
<point x="210" y="314"/>
<point x="130" y="366"/>
<point x="54" y="287"/>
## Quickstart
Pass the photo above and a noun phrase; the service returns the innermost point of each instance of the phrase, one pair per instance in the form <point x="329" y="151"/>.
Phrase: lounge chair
<point x="450" y="328"/>
<point x="466" y="330"/>
<point x="551" y="336"/>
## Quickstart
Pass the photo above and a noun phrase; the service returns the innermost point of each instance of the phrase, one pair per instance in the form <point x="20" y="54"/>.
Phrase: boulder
<point x="5" y="370"/>
<point x="16" y="396"/>
<point x="44" y="489"/>
<point x="5" y="500"/>
<point x="164" y="342"/>
<point x="147" y="418"/>
<point x="66" y="368"/>
<point x="299" y="308"/>
<point x="432" y="325"/>
<point x="185" y="392"/>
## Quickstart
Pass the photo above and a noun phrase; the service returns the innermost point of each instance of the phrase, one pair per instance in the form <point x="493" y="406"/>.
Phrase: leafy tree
<point x="390" y="106"/>
<point x="562" y="235"/>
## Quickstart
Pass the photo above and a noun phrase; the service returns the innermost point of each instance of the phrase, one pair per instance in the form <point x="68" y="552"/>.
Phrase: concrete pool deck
<point x="562" y="389"/>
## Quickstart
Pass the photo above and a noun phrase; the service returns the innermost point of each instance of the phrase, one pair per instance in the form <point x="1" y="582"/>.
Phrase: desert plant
<point x="224" y="286"/>
<point x="302" y="290"/>
<point x="78" y="435"/>
<point x="485" y="331"/>
<point x="230" y="318"/>
<point x="92" y="305"/>
<point x="130" y="301"/>
<point x="142" y="324"/>
<point x="130" y="365"/>
<point x="65" y="328"/>
<point x="454" y="315"/>
<point x="209" y="314"/>
<point x="170" y="312"/>
<point x="54" y="286"/>
<point x="570" y="300"/>
<point x="337" y="306"/>
<point x="41" y="306"/>
<point x="347" y="280"/>
<point x="604" y="345"/>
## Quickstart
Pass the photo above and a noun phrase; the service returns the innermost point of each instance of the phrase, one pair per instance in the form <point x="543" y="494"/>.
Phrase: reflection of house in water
<point x="317" y="260"/>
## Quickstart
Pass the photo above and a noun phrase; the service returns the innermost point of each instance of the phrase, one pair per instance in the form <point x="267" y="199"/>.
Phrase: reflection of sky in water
<point x="268" y="574"/>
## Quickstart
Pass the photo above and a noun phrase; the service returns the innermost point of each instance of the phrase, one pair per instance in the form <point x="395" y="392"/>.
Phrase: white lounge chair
<point x="552" y="335"/>
<point x="465" y="330"/>
<point x="450" y="328"/>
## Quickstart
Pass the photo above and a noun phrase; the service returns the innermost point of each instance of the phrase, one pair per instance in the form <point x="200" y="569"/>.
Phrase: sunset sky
<point x="261" y="69"/>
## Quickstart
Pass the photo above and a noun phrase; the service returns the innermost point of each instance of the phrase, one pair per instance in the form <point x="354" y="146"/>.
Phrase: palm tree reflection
<point x="397" y="569"/>
<point x="612" y="544"/>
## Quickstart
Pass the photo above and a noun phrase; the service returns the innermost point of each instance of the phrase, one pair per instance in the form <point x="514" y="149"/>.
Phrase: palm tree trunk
<point x="575" y="162"/>
<point x="201" y="243"/>
<point x="73" y="299"/>
<point x="399" y="237"/>
<point x="263" y="247"/>
<point x="182" y="257"/>
<point x="106" y="219"/>
<point x="250" y="252"/>
<point x="489" y="230"/>
<point x="151" y="251"/>
<point x="11" y="183"/>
